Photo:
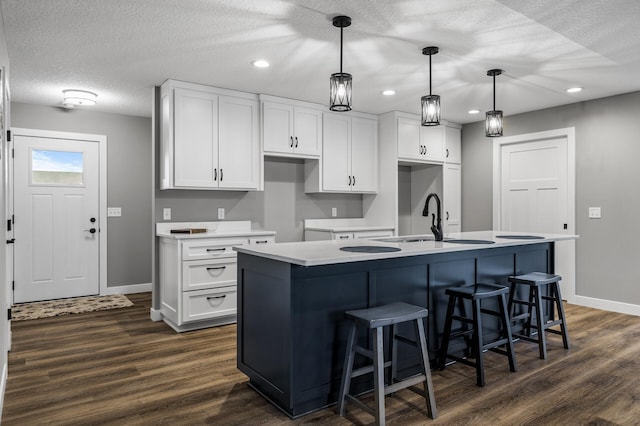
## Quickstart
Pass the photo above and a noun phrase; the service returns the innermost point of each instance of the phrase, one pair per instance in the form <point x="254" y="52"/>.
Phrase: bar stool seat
<point x="376" y="319"/>
<point x="473" y="326"/>
<point x="534" y="307"/>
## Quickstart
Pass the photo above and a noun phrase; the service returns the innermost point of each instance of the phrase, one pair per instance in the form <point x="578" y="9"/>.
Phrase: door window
<point x="59" y="168"/>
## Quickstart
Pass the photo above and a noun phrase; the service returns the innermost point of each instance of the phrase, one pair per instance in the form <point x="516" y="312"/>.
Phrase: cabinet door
<point x="409" y="138"/>
<point x="452" y="198"/>
<point x="432" y="138"/>
<point x="336" y="153"/>
<point x="277" y="127"/>
<point x="364" y="155"/>
<point x="196" y="139"/>
<point x="239" y="150"/>
<point x="307" y="131"/>
<point x="453" y="152"/>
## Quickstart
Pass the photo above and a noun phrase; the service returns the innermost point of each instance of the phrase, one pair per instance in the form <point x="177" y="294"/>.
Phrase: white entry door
<point x="535" y="190"/>
<point x="56" y="204"/>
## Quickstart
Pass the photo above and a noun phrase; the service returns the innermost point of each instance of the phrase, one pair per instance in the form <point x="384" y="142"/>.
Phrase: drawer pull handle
<point x="262" y="241"/>
<point x="216" y="297"/>
<point x="219" y="249"/>
<point x="216" y="267"/>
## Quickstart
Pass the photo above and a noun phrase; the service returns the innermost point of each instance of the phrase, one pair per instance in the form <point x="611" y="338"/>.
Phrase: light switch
<point x="334" y="211"/>
<point x="114" y="211"/>
<point x="221" y="213"/>
<point x="595" y="213"/>
<point x="166" y="213"/>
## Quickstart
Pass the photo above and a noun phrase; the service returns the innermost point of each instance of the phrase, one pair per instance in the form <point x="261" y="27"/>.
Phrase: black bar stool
<point x="476" y="294"/>
<point x="533" y="307"/>
<point x="376" y="319"/>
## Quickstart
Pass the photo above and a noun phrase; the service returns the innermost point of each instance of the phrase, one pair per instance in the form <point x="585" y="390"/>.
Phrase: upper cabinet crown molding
<point x="209" y="138"/>
<point x="291" y="128"/>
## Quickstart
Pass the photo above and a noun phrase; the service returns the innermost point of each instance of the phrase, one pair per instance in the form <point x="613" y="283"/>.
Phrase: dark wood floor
<point x="119" y="367"/>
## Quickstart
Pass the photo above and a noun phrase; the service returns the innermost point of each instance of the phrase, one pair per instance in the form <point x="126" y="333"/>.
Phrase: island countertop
<point x="315" y="253"/>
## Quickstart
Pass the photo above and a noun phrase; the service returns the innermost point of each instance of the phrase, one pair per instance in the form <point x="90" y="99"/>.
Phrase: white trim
<point x="102" y="184"/>
<point x="155" y="314"/>
<point x="569" y="134"/>
<point x="608" y="305"/>
<point x="129" y="289"/>
<point x="3" y="383"/>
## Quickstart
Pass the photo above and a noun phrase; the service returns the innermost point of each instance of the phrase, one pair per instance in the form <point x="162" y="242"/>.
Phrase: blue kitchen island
<point x="292" y="296"/>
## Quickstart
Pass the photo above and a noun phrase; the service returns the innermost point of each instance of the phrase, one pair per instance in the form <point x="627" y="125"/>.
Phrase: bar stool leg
<point x="555" y="287"/>
<point x="530" y="310"/>
<point x="542" y="338"/>
<point x="394" y="354"/>
<point x="442" y="359"/>
<point x="348" y="367"/>
<point x="428" y="383"/>
<point x="378" y="375"/>
<point x="477" y="342"/>
<point x="506" y="326"/>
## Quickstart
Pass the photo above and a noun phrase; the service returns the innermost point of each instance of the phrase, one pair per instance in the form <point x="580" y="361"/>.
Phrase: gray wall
<point x="128" y="181"/>
<point x="607" y="175"/>
<point x="281" y="207"/>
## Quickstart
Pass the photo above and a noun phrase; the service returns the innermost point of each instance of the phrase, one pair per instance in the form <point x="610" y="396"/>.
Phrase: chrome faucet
<point x="436" y="223"/>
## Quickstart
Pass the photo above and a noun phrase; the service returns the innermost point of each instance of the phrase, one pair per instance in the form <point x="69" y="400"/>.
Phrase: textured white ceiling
<point x="120" y="49"/>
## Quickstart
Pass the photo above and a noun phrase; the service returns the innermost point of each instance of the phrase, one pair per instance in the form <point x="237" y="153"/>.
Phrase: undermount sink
<point x="465" y="241"/>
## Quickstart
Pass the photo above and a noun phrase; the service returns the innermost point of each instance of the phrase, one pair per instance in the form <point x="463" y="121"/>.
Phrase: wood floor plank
<point x="118" y="367"/>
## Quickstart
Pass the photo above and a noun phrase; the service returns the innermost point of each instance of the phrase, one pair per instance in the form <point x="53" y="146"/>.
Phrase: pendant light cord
<point x="341" y="28"/>
<point x="429" y="75"/>
<point x="494" y="92"/>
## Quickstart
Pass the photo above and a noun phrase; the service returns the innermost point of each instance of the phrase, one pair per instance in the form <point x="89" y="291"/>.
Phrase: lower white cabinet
<point x="315" y="235"/>
<point x="198" y="280"/>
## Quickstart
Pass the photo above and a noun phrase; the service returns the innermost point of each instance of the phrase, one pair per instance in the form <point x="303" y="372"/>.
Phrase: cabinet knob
<point x="215" y="174"/>
<point x="221" y="175"/>
<point x="354" y="181"/>
<point x="349" y="180"/>
<point x="447" y="152"/>
<point x="296" y="141"/>
<point x="447" y="215"/>
<point x="291" y="144"/>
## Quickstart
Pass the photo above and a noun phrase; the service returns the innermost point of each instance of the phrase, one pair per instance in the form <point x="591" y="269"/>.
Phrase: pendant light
<point x="493" y="123"/>
<point x="340" y="82"/>
<point x="430" y="103"/>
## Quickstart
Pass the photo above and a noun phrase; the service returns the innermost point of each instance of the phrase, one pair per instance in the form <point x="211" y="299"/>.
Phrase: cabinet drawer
<point x="261" y="240"/>
<point x="211" y="249"/>
<point x="343" y="236"/>
<point x="205" y="304"/>
<point x="203" y="274"/>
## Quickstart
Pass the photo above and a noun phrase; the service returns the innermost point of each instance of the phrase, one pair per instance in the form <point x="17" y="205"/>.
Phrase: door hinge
<point x="13" y="153"/>
<point x="11" y="241"/>
<point x="13" y="285"/>
<point x="8" y="224"/>
<point x="566" y="226"/>
<point x="8" y="135"/>
<point x="9" y="314"/>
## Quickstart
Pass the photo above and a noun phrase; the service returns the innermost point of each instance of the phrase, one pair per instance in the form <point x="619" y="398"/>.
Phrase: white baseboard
<point x="607" y="305"/>
<point x="129" y="289"/>
<point x="155" y="314"/>
<point x="3" y="385"/>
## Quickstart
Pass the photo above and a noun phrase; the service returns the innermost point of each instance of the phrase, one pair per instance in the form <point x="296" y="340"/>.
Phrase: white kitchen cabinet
<point x="291" y="128"/>
<point x="198" y="278"/>
<point x="349" y="154"/>
<point x="453" y="152"/>
<point x="417" y="143"/>
<point x="452" y="197"/>
<point x="209" y="138"/>
<point x="315" y="235"/>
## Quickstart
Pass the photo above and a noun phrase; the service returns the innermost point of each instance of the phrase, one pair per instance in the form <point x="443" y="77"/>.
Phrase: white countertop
<point x="220" y="229"/>
<point x="315" y="253"/>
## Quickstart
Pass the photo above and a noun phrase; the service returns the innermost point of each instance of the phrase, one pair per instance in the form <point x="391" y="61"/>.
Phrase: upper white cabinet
<point x="209" y="138"/>
<point x="453" y="153"/>
<point x="418" y="143"/>
<point x="349" y="153"/>
<point x="291" y="128"/>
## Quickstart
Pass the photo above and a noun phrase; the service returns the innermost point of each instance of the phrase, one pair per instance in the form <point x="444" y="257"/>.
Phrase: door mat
<point x="75" y="305"/>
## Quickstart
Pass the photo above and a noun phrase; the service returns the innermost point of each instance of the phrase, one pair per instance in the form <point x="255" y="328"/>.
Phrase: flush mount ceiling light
<point x="574" y="89"/>
<point x="388" y="92"/>
<point x="493" y="123"/>
<point x="473" y="111"/>
<point x="340" y="82"/>
<point x="430" y="103"/>
<point x="260" y="63"/>
<point x="73" y="97"/>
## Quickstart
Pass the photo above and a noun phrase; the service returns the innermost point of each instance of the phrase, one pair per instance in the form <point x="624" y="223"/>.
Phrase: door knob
<point x="92" y="220"/>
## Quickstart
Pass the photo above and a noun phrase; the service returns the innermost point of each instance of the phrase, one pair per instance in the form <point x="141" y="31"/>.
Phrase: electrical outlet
<point x="221" y="213"/>
<point x="334" y="212"/>
<point x="114" y="211"/>
<point x="166" y="213"/>
<point x="595" y="213"/>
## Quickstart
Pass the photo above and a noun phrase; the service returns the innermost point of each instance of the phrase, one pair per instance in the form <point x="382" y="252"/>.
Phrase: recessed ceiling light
<point x="260" y="63"/>
<point x="74" y="97"/>
<point x="473" y="111"/>
<point x="388" y="92"/>
<point x="574" y="89"/>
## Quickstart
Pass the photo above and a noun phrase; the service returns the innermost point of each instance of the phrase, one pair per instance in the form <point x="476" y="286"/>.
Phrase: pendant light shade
<point x="493" y="121"/>
<point x="430" y="103"/>
<point x="340" y="82"/>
